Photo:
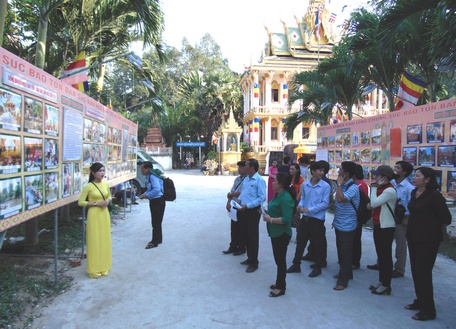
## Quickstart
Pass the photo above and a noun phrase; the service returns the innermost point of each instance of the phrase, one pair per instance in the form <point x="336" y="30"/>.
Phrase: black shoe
<point x="421" y="316"/>
<point x="280" y="293"/>
<point x="251" y="268"/>
<point x="229" y="251"/>
<point x="413" y="307"/>
<point x="315" y="272"/>
<point x="294" y="269"/>
<point x="246" y="262"/>
<point x="315" y="265"/>
<point x="308" y="258"/>
<point x="386" y="291"/>
<point x="239" y="253"/>
<point x="396" y="274"/>
<point x="373" y="267"/>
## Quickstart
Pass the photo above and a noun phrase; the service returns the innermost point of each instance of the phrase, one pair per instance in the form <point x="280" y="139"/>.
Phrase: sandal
<point x="272" y="286"/>
<point x="280" y="293"/>
<point x="420" y="316"/>
<point x="151" y="245"/>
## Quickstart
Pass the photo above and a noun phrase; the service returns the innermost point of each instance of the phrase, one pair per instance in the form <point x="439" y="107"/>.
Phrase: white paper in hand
<point x="232" y="214"/>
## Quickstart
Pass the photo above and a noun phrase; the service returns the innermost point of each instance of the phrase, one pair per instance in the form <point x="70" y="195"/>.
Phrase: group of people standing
<point x="289" y="193"/>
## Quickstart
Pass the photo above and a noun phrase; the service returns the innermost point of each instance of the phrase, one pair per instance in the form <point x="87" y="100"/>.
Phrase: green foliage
<point x="245" y="147"/>
<point x="212" y="155"/>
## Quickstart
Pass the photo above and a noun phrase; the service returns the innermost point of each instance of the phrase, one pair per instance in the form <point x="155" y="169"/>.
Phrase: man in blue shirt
<point x="313" y="205"/>
<point x="404" y="192"/>
<point x="252" y="196"/>
<point x="154" y="193"/>
<point x="345" y="222"/>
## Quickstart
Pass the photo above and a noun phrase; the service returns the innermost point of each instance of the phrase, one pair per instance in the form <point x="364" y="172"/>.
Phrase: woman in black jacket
<point x="429" y="215"/>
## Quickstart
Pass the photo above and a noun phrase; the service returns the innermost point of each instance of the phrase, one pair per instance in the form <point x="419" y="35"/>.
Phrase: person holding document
<point x="237" y="245"/>
<point x="278" y="219"/>
<point x="252" y="196"/>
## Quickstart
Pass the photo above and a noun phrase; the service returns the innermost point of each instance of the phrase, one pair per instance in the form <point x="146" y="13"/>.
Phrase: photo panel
<point x="409" y="154"/>
<point x="365" y="155"/>
<point x="51" y="120"/>
<point x="435" y="132"/>
<point x="426" y="156"/>
<point x="356" y="156"/>
<point x="51" y="151"/>
<point x="10" y="154"/>
<point x="67" y="170"/>
<point x="414" y="134"/>
<point x="376" y="136"/>
<point x="87" y="133"/>
<point x="33" y="191"/>
<point x="356" y="139"/>
<point x="453" y="131"/>
<point x="446" y="156"/>
<point x="10" y="197"/>
<point x="438" y="176"/>
<point x="95" y="131"/>
<point x="10" y="110"/>
<point x="87" y="154"/>
<point x="51" y="186"/>
<point x="365" y="138"/>
<point x="376" y="155"/>
<point x="338" y="141"/>
<point x="77" y="178"/>
<point x="346" y="155"/>
<point x="33" y="154"/>
<point x="451" y="180"/>
<point x="338" y="156"/>
<point x="331" y="156"/>
<point x="331" y="141"/>
<point x="33" y="115"/>
<point x="366" y="172"/>
<point x="346" y="140"/>
<point x="324" y="142"/>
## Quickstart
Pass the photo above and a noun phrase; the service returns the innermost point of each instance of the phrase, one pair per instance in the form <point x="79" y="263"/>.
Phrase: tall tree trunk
<point x="3" y="7"/>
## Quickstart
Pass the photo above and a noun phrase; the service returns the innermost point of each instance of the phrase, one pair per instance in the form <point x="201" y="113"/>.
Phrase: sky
<point x="237" y="26"/>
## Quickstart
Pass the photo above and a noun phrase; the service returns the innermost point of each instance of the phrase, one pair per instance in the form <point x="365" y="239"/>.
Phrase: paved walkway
<point x="188" y="283"/>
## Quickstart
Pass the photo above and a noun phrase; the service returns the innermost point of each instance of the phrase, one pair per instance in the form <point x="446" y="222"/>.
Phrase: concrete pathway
<point x="188" y="283"/>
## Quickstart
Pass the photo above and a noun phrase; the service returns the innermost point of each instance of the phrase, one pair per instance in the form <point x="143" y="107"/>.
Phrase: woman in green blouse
<point x="280" y="211"/>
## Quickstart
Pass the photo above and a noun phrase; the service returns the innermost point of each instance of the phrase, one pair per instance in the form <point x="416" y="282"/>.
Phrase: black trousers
<point x="357" y="246"/>
<point x="236" y="241"/>
<point x="249" y="221"/>
<point x="279" y="249"/>
<point x="422" y="260"/>
<point x="383" y="240"/>
<point x="344" y="242"/>
<point x="314" y="230"/>
<point x="157" y="211"/>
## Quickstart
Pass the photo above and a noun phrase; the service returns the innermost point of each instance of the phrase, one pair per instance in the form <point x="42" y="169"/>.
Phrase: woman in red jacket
<point x="429" y="214"/>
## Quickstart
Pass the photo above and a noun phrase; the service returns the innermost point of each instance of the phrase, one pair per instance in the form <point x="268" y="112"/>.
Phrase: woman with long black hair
<point x="278" y="219"/>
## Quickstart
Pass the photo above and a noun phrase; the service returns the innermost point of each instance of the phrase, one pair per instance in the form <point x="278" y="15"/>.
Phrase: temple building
<point x="298" y="47"/>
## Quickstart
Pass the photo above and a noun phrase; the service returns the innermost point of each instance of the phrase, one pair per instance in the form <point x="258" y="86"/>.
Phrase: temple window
<point x="305" y="133"/>
<point x="275" y="92"/>
<point x="274" y="135"/>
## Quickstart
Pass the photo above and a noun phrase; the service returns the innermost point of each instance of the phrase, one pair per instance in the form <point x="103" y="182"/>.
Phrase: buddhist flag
<point x="410" y="90"/>
<point x="256" y="90"/>
<point x="110" y="104"/>
<point x="317" y="25"/>
<point x="285" y="91"/>
<point x="251" y="126"/>
<point x="256" y="124"/>
<point x="214" y="138"/>
<point x="75" y="74"/>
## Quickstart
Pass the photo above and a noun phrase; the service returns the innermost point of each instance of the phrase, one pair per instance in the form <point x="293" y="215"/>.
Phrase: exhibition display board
<point x="50" y="134"/>
<point x="422" y="135"/>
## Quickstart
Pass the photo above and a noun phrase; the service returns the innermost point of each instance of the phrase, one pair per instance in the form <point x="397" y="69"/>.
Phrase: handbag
<point x="296" y="220"/>
<point x="398" y="213"/>
<point x="109" y="205"/>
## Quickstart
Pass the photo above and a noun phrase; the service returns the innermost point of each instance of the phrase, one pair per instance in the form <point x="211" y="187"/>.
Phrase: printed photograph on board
<point x="324" y="142"/>
<point x="33" y="115"/>
<point x="87" y="134"/>
<point x="414" y="134"/>
<point x="446" y="156"/>
<point x="331" y="141"/>
<point x="365" y="156"/>
<point x="10" y="110"/>
<point x="409" y="154"/>
<point x="451" y="180"/>
<point x="435" y="132"/>
<point x="346" y="155"/>
<point x="376" y="136"/>
<point x="338" y="154"/>
<point x="51" y="151"/>
<point x="95" y="131"/>
<point x="331" y="157"/>
<point x="376" y="155"/>
<point x="355" y="156"/>
<point x="66" y="179"/>
<point x="438" y="176"/>
<point x="87" y="155"/>
<point x="10" y="197"/>
<point x="346" y="139"/>
<point x="338" y="141"/>
<point x="33" y="191"/>
<point x="355" y="139"/>
<point x="10" y="154"/>
<point x="52" y="186"/>
<point x="453" y="131"/>
<point x="365" y="138"/>
<point x="77" y="179"/>
<point x="51" y="120"/>
<point x="426" y="156"/>
<point x="33" y="154"/>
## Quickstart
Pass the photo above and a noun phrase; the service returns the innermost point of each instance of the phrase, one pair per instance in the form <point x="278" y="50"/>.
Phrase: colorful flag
<point x="214" y="138"/>
<point x="256" y="90"/>
<point x="251" y="126"/>
<point x="110" y="104"/>
<point x="410" y="90"/>
<point x="317" y="25"/>
<point x="285" y="91"/>
<point x="75" y="74"/>
<point x="332" y="18"/>
<point x="256" y="124"/>
<point x="345" y="24"/>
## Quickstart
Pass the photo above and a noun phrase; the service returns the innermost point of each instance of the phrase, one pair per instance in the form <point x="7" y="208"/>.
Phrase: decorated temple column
<point x="256" y="90"/>
<point x="380" y="99"/>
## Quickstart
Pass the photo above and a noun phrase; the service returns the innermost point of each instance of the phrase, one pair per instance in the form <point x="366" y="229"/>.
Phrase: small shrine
<point x="229" y="145"/>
